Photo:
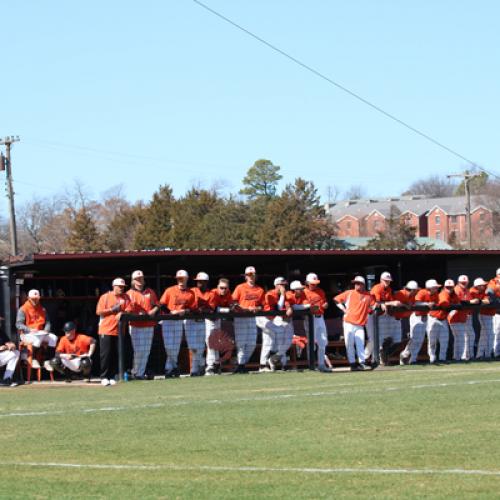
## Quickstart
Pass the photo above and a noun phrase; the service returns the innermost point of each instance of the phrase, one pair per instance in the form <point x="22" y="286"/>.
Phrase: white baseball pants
<point x="458" y="331"/>
<point x="320" y="338"/>
<point x="496" y="331"/>
<point x="470" y="338"/>
<point x="172" y="337"/>
<point x="36" y="339"/>
<point x="195" y="337"/>
<point x="485" y="346"/>
<point x="142" y="338"/>
<point x="354" y="338"/>
<point x="245" y="336"/>
<point x="9" y="359"/>
<point x="437" y="333"/>
<point x="212" y="354"/>
<point x="418" y="326"/>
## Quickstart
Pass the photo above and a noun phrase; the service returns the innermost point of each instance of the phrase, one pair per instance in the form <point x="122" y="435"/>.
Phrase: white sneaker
<point x="112" y="381"/>
<point x="48" y="366"/>
<point x="35" y="364"/>
<point x="105" y="381"/>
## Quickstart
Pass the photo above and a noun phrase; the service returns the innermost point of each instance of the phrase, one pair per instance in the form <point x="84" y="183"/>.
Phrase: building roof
<point x="358" y="243"/>
<point x="453" y="205"/>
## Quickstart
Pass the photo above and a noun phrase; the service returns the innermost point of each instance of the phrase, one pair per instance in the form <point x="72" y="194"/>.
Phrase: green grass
<point x="435" y="418"/>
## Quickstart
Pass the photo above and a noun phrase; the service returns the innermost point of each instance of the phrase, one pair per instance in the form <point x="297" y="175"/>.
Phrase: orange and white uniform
<point x="470" y="335"/>
<point x="34" y="326"/>
<point x="486" y="344"/>
<point x="457" y="320"/>
<point x="494" y="289"/>
<point x="79" y="346"/>
<point x="316" y="298"/>
<point x="175" y="299"/>
<point x="245" y="329"/>
<point x="358" y="305"/>
<point x="437" y="328"/>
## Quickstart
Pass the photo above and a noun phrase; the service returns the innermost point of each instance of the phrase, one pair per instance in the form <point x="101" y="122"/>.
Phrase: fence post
<point x="121" y="348"/>
<point x="310" y="342"/>
<point x="376" y="340"/>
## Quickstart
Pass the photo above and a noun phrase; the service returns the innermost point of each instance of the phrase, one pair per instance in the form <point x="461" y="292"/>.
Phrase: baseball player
<point x="462" y="291"/>
<point x="178" y="299"/>
<point x="388" y="327"/>
<point x="273" y="328"/>
<point x="478" y="295"/>
<point x="457" y="320"/>
<point x="437" y="326"/>
<point x="316" y="297"/>
<point x="220" y="300"/>
<point x="196" y="329"/>
<point x="144" y="301"/>
<point x="493" y="291"/>
<point x="109" y="308"/>
<point x="355" y="304"/>
<point x="249" y="297"/>
<point x="406" y="297"/>
<point x="74" y="353"/>
<point x="33" y="323"/>
<point x="9" y="357"/>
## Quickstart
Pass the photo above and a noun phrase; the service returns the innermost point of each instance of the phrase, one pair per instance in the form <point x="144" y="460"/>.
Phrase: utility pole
<point x="8" y="141"/>
<point x="466" y="176"/>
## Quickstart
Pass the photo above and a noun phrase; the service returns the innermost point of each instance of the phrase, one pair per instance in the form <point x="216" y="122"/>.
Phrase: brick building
<point x="437" y="218"/>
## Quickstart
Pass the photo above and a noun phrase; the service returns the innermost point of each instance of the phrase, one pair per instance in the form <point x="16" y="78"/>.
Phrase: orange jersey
<point x="316" y="298"/>
<point x="381" y="293"/>
<point x="202" y="298"/>
<point x="357" y="304"/>
<point x="271" y="300"/>
<point x="405" y="297"/>
<point x="444" y="300"/>
<point x="142" y="303"/>
<point x="36" y="316"/>
<point x="80" y="345"/>
<point x="249" y="296"/>
<point x="175" y="299"/>
<point x="494" y="284"/>
<point x="109" y="320"/>
<point x="217" y="300"/>
<point x="425" y="296"/>
<point x="292" y="300"/>
<point x="476" y="294"/>
<point x="457" y="316"/>
<point x="464" y="295"/>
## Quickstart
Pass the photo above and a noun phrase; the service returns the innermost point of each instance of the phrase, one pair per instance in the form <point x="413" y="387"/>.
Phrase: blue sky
<point x="140" y="94"/>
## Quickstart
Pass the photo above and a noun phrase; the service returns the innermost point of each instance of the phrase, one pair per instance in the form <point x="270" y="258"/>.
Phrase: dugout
<point x="70" y="283"/>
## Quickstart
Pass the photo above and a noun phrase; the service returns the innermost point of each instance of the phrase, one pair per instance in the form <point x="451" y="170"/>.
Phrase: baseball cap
<point x="449" y="282"/>
<point x="498" y="271"/>
<point x="411" y="285"/>
<point x="201" y="276"/>
<point x="280" y="281"/>
<point x="463" y="278"/>
<point x="359" y="279"/>
<point x="296" y="285"/>
<point x="386" y="276"/>
<point x="250" y="270"/>
<point x="432" y="284"/>
<point x="33" y="294"/>
<point x="69" y="326"/>
<point x="312" y="278"/>
<point x="118" y="282"/>
<point x="479" y="282"/>
<point x="137" y="274"/>
<point x="181" y="273"/>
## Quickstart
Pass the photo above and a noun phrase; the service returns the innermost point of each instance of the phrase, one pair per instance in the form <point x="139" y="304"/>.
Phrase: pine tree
<point x="261" y="180"/>
<point x="83" y="234"/>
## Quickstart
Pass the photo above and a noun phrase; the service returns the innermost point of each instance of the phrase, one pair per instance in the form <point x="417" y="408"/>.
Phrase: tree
<point x="355" y="192"/>
<point x="477" y="184"/>
<point x="397" y="234"/>
<point x="261" y="180"/>
<point x="84" y="236"/>
<point x="155" y="229"/>
<point x="121" y="231"/>
<point x="434" y="186"/>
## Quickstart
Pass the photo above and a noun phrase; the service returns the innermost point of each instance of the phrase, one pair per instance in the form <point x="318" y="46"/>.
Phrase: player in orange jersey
<point x="493" y="291"/>
<point x="486" y="344"/>
<point x="462" y="291"/>
<point x="437" y="326"/>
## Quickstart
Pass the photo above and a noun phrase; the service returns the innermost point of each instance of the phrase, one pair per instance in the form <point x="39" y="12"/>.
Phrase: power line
<point x="343" y="88"/>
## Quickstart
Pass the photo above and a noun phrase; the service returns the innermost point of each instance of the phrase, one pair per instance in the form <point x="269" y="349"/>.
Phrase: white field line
<point x="238" y="469"/>
<point x="273" y="397"/>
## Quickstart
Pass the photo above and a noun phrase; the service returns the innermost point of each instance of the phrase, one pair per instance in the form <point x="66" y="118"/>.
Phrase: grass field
<point x="412" y="431"/>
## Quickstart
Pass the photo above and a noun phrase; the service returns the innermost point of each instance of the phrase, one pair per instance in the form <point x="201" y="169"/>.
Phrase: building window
<point x="481" y="217"/>
<point x="348" y="225"/>
<point x="438" y="235"/>
<point x="437" y="220"/>
<point x="453" y="219"/>
<point x="376" y="225"/>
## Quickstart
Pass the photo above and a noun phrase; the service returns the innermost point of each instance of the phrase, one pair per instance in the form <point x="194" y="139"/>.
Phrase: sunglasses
<point x="223" y="288"/>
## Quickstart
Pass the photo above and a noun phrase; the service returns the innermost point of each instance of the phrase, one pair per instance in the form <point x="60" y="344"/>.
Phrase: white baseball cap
<point x="432" y="284"/>
<point x="296" y="285"/>
<point x="201" y="276"/>
<point x="479" y="282"/>
<point x="250" y="270"/>
<point x="463" y="279"/>
<point x="181" y="273"/>
<point x="498" y="271"/>
<point x="118" y="282"/>
<point x="386" y="276"/>
<point x="137" y="274"/>
<point x="312" y="278"/>
<point x="449" y="282"/>
<point x="33" y="294"/>
<point x="411" y="285"/>
<point x="280" y="281"/>
<point x="359" y="279"/>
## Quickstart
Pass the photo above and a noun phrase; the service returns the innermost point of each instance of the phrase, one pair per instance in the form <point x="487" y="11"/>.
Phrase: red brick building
<point x="438" y="218"/>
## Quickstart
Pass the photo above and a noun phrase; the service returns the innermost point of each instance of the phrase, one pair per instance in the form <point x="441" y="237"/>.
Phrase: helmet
<point x="69" y="326"/>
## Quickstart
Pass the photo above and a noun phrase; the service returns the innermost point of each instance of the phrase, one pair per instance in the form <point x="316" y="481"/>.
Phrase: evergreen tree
<point x="83" y="234"/>
<point x="261" y="180"/>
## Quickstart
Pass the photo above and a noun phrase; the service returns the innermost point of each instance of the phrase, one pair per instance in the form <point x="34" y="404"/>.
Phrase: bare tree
<point x="355" y="192"/>
<point x="434" y="186"/>
<point x="332" y="193"/>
